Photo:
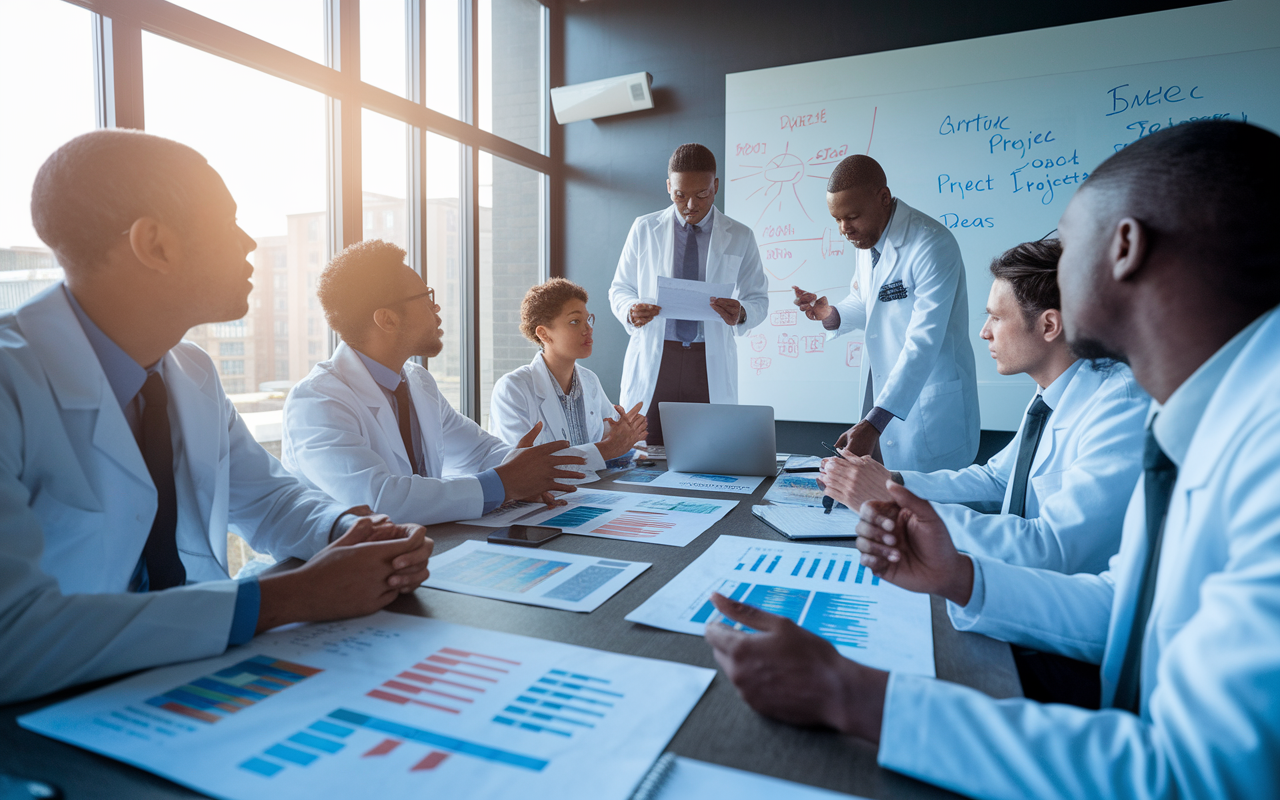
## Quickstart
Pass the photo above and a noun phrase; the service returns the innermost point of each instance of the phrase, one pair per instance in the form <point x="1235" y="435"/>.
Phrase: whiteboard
<point x="991" y="136"/>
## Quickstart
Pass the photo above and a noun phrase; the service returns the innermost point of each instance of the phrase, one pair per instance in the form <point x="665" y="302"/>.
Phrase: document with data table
<point x="390" y="705"/>
<point x="535" y="577"/>
<point x="654" y="518"/>
<point x="821" y="588"/>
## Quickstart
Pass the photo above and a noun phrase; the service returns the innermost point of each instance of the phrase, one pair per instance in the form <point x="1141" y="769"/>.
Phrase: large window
<point x="266" y="137"/>
<point x="47" y="97"/>
<point x="440" y="147"/>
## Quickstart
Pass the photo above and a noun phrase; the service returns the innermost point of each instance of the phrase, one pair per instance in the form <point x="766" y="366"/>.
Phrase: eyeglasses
<point x="430" y="294"/>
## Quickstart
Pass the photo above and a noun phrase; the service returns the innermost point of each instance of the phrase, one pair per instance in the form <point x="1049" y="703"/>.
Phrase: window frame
<point x="118" y="78"/>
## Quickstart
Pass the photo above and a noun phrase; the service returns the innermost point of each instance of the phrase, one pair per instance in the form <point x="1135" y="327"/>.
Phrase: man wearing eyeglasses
<point x="676" y="360"/>
<point x="372" y="424"/>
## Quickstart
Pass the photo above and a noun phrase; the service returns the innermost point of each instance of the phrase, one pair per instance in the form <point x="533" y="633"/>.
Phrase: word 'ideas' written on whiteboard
<point x="991" y="144"/>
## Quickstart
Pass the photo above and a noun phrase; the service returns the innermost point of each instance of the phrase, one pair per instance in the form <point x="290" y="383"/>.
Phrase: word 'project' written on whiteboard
<point x="991" y="144"/>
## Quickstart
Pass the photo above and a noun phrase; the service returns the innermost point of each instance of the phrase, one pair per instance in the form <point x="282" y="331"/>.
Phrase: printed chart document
<point x="799" y="489"/>
<point x="683" y="299"/>
<point x="689" y="779"/>
<point x="821" y="588"/>
<point x="694" y="481"/>
<point x="414" y="707"/>
<point x="803" y="522"/>
<point x="656" y="518"/>
<point x="534" y="577"/>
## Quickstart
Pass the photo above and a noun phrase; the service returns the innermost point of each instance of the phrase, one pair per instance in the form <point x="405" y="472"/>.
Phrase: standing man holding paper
<point x="919" y="394"/>
<point x="686" y="360"/>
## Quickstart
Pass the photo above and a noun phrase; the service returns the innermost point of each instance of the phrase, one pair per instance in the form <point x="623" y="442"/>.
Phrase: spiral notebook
<point x="807" y="522"/>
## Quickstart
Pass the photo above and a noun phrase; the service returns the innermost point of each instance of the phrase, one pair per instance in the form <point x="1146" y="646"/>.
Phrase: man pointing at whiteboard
<point x="919" y="394"/>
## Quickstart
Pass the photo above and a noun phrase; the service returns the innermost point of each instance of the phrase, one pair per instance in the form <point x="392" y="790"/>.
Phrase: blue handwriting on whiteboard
<point x="1121" y="103"/>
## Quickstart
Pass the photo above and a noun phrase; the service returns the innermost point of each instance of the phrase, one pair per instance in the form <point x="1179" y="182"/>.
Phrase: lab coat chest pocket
<point x="940" y="436"/>
<point x="726" y="270"/>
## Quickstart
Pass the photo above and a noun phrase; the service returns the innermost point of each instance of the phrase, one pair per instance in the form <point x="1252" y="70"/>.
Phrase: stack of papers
<point x="693" y="481"/>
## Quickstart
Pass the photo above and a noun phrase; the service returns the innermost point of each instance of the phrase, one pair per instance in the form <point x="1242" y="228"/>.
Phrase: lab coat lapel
<point x="356" y="375"/>
<point x="191" y="407"/>
<point x="716" y="248"/>
<point x="557" y="426"/>
<point x="886" y="270"/>
<point x="77" y="379"/>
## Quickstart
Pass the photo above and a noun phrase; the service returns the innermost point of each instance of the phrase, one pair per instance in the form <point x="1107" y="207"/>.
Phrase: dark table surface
<point x="721" y="728"/>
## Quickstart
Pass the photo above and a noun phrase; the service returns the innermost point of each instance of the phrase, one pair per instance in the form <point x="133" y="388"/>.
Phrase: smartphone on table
<point x="524" y="535"/>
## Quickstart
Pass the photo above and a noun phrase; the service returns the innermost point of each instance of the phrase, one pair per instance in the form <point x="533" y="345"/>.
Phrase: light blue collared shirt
<point x="387" y="379"/>
<point x="703" y="238"/>
<point x="126" y="377"/>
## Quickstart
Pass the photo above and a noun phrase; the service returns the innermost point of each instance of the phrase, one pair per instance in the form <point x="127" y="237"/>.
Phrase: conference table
<point x="721" y="729"/>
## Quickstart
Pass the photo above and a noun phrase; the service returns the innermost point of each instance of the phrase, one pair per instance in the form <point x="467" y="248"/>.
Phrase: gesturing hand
<point x="860" y="440"/>
<point x="629" y="428"/>
<point x="785" y="672"/>
<point x="814" y="307"/>
<point x="904" y="542"/>
<point x="536" y="470"/>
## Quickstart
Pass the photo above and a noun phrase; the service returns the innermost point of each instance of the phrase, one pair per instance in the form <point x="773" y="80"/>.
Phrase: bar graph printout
<point x="415" y="707"/>
<point x="821" y="588"/>
<point x="536" y="577"/>
<point x="655" y="518"/>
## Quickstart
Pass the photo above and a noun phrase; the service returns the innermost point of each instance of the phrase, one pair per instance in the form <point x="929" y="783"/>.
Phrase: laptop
<point x="722" y="439"/>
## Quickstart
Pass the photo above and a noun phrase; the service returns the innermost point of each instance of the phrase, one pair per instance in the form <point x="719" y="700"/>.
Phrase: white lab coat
<point x="341" y="436"/>
<point x="525" y="396"/>
<point x="1084" y="471"/>
<point x="1211" y="648"/>
<point x="77" y="502"/>
<point x="732" y="257"/>
<point x="918" y="347"/>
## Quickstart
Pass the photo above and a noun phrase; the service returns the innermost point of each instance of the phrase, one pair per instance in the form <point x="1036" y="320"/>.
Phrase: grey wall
<point x="615" y="168"/>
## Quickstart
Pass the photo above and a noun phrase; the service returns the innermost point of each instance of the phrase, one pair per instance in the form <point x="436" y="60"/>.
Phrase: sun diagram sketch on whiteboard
<point x="783" y="187"/>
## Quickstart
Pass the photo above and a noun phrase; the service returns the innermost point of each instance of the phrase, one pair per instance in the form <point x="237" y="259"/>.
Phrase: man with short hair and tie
<point x="917" y="395"/>
<point x="677" y="360"/>
<point x="1169" y="264"/>
<point x="123" y="463"/>
<point x="369" y="423"/>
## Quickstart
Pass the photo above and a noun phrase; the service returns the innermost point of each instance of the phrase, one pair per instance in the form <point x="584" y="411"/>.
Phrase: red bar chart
<point x="637" y="524"/>
<point x="448" y="681"/>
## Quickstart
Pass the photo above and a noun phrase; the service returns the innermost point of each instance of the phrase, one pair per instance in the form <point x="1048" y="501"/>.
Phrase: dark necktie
<point x="404" y="407"/>
<point x="1032" y="429"/>
<point x="687" y="329"/>
<point x="164" y="565"/>
<point x="1158" y="477"/>
<point x="875" y="257"/>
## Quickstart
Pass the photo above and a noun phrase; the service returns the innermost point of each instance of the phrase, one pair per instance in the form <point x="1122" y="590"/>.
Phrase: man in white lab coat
<point x="686" y="360"/>
<point x="1062" y="485"/>
<point x="1168" y="262"/>
<point x="122" y="462"/>
<point x="371" y="424"/>
<point x="917" y="390"/>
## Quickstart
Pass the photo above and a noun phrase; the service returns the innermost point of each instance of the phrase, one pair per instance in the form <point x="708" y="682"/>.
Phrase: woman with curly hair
<point x="554" y="389"/>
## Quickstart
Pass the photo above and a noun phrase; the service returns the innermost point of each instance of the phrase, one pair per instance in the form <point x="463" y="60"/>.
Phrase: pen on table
<point x="828" y="502"/>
